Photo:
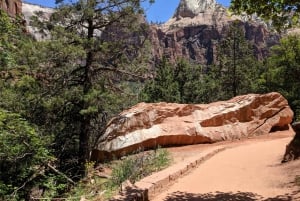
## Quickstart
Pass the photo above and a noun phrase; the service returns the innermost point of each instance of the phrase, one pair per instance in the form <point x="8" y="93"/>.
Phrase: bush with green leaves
<point x="282" y="13"/>
<point x="130" y="168"/>
<point x="23" y="154"/>
<point x="141" y="165"/>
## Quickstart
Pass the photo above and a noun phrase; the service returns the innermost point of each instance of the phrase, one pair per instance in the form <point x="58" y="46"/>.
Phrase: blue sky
<point x="160" y="11"/>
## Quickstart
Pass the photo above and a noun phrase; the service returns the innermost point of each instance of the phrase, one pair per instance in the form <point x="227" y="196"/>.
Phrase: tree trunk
<point x="234" y="84"/>
<point x="84" y="136"/>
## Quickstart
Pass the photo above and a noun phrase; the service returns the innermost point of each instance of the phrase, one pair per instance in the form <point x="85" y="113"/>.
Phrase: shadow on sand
<point x="220" y="196"/>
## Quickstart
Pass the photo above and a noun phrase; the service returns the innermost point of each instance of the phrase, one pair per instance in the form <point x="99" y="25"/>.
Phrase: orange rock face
<point x="12" y="7"/>
<point x="148" y="125"/>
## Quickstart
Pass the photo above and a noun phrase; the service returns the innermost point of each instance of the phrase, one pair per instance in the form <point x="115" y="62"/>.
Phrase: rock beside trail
<point x="293" y="148"/>
<point x="148" y="125"/>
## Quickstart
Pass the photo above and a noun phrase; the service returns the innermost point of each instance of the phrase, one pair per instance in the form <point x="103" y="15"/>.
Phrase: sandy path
<point x="246" y="172"/>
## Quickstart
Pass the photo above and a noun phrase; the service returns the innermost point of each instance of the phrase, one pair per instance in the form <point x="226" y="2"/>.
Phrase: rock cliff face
<point x="198" y="25"/>
<point x="192" y="33"/>
<point x="44" y="14"/>
<point x="12" y="7"/>
<point x="166" y="124"/>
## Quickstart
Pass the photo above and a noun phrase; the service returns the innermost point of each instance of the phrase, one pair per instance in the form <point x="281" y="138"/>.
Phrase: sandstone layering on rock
<point x="148" y="125"/>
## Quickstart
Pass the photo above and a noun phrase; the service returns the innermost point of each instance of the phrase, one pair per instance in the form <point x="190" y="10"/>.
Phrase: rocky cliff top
<point x="29" y="10"/>
<point x="204" y="12"/>
<point x="198" y="12"/>
<point x="191" y="8"/>
<point x="198" y="25"/>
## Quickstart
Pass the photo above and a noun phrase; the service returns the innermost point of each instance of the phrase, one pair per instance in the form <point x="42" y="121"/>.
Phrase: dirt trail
<point x="250" y="171"/>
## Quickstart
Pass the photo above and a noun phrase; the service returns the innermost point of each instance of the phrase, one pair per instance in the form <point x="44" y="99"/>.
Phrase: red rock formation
<point x="198" y="43"/>
<point x="166" y="124"/>
<point x="198" y="25"/>
<point x="192" y="33"/>
<point x="12" y="7"/>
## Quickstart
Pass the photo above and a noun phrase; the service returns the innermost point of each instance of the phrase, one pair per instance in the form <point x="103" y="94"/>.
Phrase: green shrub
<point x="162" y="159"/>
<point x="132" y="168"/>
<point x="23" y="154"/>
<point x="135" y="167"/>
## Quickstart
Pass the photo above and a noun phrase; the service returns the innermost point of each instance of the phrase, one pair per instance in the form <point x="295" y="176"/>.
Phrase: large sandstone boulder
<point x="148" y="125"/>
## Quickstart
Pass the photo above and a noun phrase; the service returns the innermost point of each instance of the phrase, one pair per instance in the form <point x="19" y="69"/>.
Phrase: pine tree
<point x="93" y="49"/>
<point x="283" y="73"/>
<point x="190" y="78"/>
<point x="236" y="66"/>
<point x="164" y="87"/>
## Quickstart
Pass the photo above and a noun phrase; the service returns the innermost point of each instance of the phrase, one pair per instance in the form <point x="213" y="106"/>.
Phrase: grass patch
<point x="132" y="168"/>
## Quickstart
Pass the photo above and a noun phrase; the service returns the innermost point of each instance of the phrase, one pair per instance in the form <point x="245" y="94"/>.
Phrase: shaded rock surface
<point x="148" y="125"/>
<point x="198" y="43"/>
<point x="293" y="148"/>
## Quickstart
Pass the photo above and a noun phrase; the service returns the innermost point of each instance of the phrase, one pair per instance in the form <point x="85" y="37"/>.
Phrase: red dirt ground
<point x="249" y="170"/>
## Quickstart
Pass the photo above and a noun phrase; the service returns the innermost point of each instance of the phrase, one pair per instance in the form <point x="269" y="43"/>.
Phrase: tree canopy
<point x="282" y="13"/>
<point x="283" y="71"/>
<point x="23" y="155"/>
<point x="68" y="85"/>
<point x="91" y="55"/>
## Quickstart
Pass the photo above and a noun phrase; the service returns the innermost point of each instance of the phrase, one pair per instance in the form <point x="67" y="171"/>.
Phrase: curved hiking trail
<point x="249" y="171"/>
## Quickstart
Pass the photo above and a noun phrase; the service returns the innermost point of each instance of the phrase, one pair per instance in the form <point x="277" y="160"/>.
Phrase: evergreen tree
<point x="183" y="83"/>
<point x="190" y="78"/>
<point x="235" y="72"/>
<point x="283" y="73"/>
<point x="236" y="66"/>
<point x="164" y="87"/>
<point x="93" y="49"/>
<point x="24" y="151"/>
